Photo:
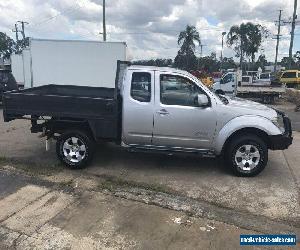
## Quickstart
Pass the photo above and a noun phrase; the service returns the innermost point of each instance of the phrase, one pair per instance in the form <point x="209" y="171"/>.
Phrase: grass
<point x="106" y="182"/>
<point x="30" y="167"/>
<point x="112" y="183"/>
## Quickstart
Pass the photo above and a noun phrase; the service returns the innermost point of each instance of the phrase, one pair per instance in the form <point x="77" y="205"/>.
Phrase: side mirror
<point x="221" y="81"/>
<point x="202" y="100"/>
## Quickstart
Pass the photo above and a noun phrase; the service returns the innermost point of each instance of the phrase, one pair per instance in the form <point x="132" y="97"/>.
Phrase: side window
<point x="177" y="90"/>
<point x="141" y="86"/>
<point x="289" y="75"/>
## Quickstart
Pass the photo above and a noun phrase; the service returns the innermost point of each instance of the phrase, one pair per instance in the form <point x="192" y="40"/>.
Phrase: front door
<point x="178" y="120"/>
<point x="228" y="83"/>
<point x="138" y="106"/>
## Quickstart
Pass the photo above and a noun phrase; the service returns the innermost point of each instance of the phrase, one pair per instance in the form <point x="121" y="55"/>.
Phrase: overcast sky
<point x="150" y="28"/>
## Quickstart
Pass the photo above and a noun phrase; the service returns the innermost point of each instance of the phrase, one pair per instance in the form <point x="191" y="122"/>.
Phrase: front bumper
<point x="282" y="141"/>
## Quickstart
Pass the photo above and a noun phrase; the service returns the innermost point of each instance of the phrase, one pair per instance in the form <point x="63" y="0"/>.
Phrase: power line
<point x="68" y="10"/>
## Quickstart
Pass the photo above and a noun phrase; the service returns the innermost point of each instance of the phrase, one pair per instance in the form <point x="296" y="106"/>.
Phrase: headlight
<point x="278" y="122"/>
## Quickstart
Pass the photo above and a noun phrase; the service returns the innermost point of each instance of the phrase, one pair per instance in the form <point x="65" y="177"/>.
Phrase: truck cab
<point x="227" y="84"/>
<point x="171" y="106"/>
<point x="291" y="78"/>
<point x="7" y="82"/>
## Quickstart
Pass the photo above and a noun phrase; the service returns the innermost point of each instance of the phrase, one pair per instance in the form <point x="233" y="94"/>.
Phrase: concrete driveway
<point x="274" y="193"/>
<point x="38" y="214"/>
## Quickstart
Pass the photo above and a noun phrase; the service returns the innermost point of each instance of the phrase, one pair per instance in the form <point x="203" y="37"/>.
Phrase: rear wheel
<point x="247" y="155"/>
<point x="75" y="149"/>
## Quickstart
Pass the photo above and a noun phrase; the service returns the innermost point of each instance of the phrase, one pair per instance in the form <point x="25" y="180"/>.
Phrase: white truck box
<point x="17" y="68"/>
<point x="72" y="62"/>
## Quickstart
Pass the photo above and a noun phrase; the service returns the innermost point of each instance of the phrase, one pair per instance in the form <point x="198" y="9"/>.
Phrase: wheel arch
<point x="70" y="125"/>
<point x="249" y="124"/>
<point x="247" y="130"/>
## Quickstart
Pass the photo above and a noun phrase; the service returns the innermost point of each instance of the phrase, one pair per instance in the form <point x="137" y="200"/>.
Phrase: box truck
<point x="70" y="62"/>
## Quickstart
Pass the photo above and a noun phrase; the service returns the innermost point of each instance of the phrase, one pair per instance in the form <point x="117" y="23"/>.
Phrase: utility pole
<point x="17" y="32"/>
<point x="277" y="38"/>
<point x="201" y="53"/>
<point x="23" y="32"/>
<point x="292" y="33"/>
<point x="104" y="22"/>
<point x="201" y="49"/>
<point x="23" y="28"/>
<point x="223" y="34"/>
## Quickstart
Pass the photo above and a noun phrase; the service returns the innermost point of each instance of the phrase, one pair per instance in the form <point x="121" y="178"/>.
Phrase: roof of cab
<point x="291" y="70"/>
<point x="155" y="68"/>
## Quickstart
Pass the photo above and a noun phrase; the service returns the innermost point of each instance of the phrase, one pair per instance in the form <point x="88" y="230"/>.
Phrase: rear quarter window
<point x="141" y="86"/>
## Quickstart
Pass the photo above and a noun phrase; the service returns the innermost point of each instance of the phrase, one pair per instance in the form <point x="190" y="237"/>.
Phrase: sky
<point x="150" y="28"/>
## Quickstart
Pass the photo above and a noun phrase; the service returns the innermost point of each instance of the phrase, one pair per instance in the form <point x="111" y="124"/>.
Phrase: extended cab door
<point x="138" y="106"/>
<point x="178" y="120"/>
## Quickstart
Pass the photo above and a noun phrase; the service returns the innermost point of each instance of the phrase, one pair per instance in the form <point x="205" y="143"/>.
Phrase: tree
<point x="187" y="39"/>
<point x="7" y="45"/>
<point x="154" y="62"/>
<point x="255" y="35"/>
<point x="209" y="63"/>
<point x="296" y="59"/>
<point x="285" y="61"/>
<point x="246" y="39"/>
<point x="261" y="62"/>
<point x="228" y="63"/>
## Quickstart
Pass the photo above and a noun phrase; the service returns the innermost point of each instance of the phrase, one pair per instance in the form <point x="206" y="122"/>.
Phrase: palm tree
<point x="186" y="58"/>
<point x="187" y="39"/>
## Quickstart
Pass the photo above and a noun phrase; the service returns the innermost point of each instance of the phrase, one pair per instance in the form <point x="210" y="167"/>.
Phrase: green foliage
<point x="261" y="62"/>
<point x="246" y="39"/>
<point x="228" y="63"/>
<point x="187" y="39"/>
<point x="7" y="45"/>
<point x="285" y="62"/>
<point x="155" y="62"/>
<point x="209" y="63"/>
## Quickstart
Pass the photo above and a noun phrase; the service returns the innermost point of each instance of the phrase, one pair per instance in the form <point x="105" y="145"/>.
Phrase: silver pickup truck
<point x="160" y="109"/>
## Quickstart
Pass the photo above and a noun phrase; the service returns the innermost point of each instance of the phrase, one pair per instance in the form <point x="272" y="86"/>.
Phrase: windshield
<point x="222" y="98"/>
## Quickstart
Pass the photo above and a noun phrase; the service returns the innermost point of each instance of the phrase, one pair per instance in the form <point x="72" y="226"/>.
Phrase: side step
<point x="168" y="150"/>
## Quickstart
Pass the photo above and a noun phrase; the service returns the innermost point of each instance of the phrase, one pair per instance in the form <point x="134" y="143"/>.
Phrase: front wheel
<point x="75" y="149"/>
<point x="247" y="155"/>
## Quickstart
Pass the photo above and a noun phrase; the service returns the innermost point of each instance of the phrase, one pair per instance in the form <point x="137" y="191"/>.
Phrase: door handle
<point x="162" y="112"/>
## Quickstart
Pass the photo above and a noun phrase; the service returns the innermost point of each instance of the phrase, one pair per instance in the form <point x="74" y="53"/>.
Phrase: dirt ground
<point x="125" y="184"/>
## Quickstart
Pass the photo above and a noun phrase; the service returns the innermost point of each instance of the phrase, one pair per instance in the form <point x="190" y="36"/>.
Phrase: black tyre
<point x="247" y="155"/>
<point x="75" y="149"/>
